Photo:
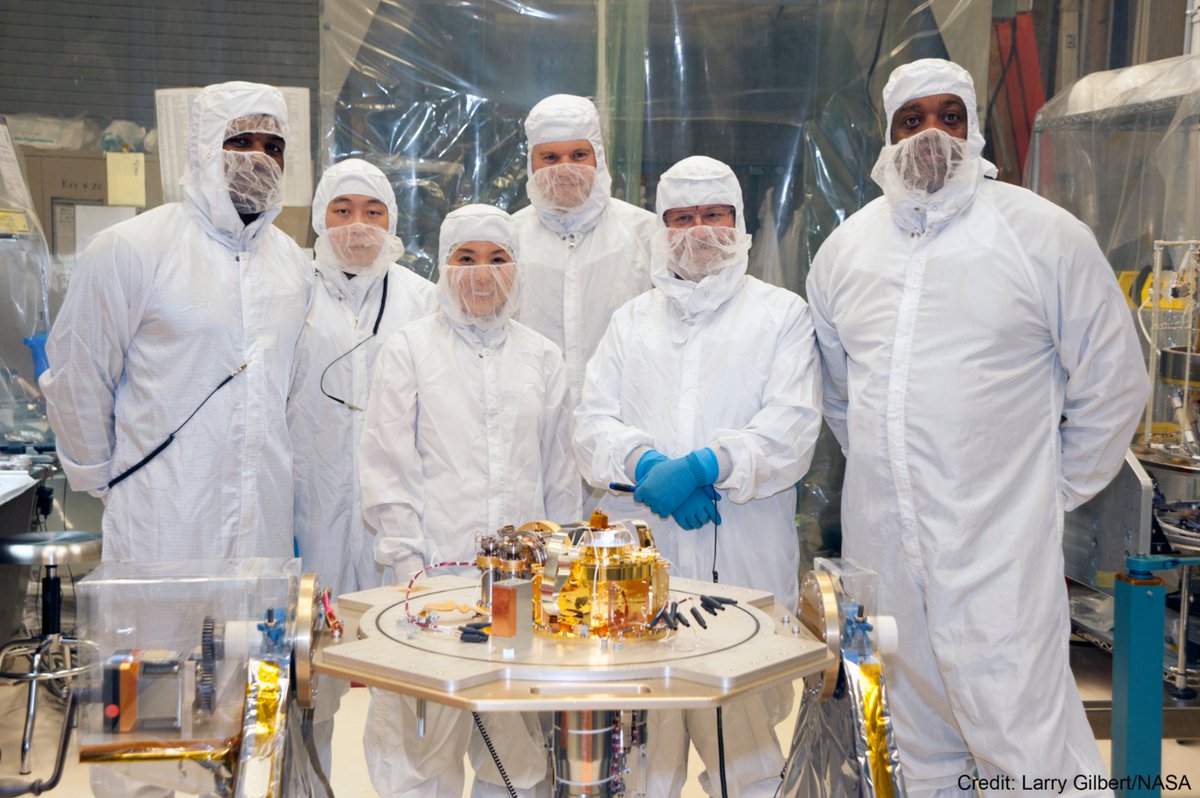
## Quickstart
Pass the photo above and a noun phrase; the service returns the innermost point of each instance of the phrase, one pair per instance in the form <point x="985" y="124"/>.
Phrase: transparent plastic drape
<point x="787" y="93"/>
<point x="1117" y="149"/>
<point x="24" y="299"/>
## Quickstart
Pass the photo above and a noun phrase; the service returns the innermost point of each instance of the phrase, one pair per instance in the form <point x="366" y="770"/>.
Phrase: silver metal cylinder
<point x="486" y="580"/>
<point x="584" y="748"/>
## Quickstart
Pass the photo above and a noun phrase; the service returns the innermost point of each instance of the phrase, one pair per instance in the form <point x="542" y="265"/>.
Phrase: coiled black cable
<point x="495" y="757"/>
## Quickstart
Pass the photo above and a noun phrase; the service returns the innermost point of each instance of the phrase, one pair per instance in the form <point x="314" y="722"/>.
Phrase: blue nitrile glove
<point x="699" y="509"/>
<point x="667" y="485"/>
<point x="649" y="459"/>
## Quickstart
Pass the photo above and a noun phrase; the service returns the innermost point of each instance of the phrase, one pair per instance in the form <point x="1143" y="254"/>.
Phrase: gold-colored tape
<point x="205" y="750"/>
<point x="875" y="729"/>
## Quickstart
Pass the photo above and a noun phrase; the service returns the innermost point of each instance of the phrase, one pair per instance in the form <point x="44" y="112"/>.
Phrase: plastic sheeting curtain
<point x="787" y="93"/>
<point x="1118" y="149"/>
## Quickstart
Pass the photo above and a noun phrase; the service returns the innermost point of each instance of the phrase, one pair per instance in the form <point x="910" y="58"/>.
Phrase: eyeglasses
<point x="712" y="215"/>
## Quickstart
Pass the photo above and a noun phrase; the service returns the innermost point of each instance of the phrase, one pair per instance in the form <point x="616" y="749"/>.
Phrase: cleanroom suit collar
<point x="341" y="285"/>
<point x="693" y="300"/>
<point x="204" y="190"/>
<point x="565" y="117"/>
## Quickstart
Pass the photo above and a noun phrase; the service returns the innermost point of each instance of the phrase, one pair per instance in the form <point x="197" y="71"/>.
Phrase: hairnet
<point x="352" y="176"/>
<point x="926" y="77"/>
<point x="476" y="223"/>
<point x="566" y="117"/>
<point x="699" y="180"/>
<point x="255" y="123"/>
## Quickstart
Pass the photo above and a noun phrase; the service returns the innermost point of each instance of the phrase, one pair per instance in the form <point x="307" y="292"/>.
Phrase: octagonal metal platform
<point x="748" y="647"/>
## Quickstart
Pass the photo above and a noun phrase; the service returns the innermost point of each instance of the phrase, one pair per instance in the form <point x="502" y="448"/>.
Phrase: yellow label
<point x="126" y="178"/>
<point x="13" y="223"/>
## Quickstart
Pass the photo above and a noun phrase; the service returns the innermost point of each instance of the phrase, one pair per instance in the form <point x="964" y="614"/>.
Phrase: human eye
<point x="712" y="217"/>
<point x="239" y="142"/>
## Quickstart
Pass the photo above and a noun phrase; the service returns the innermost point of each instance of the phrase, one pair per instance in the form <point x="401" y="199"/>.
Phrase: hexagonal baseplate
<point x="746" y="648"/>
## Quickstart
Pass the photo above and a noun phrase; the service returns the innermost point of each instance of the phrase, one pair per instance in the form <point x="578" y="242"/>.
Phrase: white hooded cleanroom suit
<point x="728" y="362"/>
<point x="468" y="429"/>
<point x="160" y="309"/>
<point x="348" y="322"/>
<point x="332" y="538"/>
<point x="983" y="375"/>
<point x="579" y="266"/>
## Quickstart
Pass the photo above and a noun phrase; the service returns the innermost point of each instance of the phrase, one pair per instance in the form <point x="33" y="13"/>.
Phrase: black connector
<point x="680" y="619"/>
<point x="699" y="618"/>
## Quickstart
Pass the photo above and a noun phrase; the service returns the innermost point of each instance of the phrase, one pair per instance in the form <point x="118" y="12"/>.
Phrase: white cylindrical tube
<point x="884" y="634"/>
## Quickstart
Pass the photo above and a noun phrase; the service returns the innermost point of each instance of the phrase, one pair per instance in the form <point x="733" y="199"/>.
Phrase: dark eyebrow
<point x="959" y="103"/>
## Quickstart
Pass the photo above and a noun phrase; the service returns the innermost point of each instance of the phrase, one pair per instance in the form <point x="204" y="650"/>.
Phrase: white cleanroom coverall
<point x="330" y="532"/>
<point x="467" y="430"/>
<point x="579" y="266"/>
<point x="728" y="362"/>
<point x="161" y="308"/>
<point x="983" y="375"/>
<point x="350" y="318"/>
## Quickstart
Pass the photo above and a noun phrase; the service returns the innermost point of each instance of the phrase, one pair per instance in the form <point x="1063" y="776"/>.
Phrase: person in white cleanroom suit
<point x="584" y="252"/>
<point x="361" y="297"/>
<point x="468" y="429"/>
<point x="983" y="375"/>
<point x="708" y="385"/>
<point x="160" y="310"/>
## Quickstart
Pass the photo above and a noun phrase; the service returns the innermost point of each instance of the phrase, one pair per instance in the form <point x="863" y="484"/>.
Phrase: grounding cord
<point x="495" y="757"/>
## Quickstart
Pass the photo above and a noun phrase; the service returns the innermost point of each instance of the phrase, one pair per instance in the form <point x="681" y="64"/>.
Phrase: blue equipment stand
<point x="1139" y="604"/>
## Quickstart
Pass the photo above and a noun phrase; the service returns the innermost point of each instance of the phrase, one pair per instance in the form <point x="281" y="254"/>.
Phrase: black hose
<point x="310" y="745"/>
<point x="721" y="753"/>
<point x="495" y="757"/>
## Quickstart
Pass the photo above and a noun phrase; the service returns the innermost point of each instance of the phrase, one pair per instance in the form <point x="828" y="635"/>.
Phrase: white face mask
<point x="923" y="164"/>
<point x="253" y="179"/>
<point x="356" y="246"/>
<point x="694" y="253"/>
<point x="562" y="187"/>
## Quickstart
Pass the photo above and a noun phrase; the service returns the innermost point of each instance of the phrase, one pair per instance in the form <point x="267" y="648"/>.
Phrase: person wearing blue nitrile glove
<point x="668" y="484"/>
<point x="649" y="459"/>
<point x="699" y="509"/>
<point x="710" y="382"/>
